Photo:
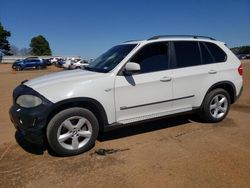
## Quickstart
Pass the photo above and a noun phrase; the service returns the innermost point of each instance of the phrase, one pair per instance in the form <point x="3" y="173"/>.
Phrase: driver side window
<point x="152" y="57"/>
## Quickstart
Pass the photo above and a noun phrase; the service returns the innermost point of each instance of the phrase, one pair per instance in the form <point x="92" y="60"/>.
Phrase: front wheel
<point x="72" y="131"/>
<point x="18" y="68"/>
<point x="215" y="106"/>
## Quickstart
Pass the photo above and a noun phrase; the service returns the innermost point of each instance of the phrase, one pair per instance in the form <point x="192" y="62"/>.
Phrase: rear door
<point x="31" y="62"/>
<point x="28" y="63"/>
<point x="35" y="62"/>
<point x="188" y="74"/>
<point x="195" y="70"/>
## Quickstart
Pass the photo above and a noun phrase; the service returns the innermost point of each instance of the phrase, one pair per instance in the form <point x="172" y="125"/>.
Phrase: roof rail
<point x="130" y="41"/>
<point x="190" y="36"/>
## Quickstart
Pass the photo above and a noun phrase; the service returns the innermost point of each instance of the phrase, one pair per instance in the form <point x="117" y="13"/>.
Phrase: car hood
<point x="62" y="78"/>
<point x="18" y="61"/>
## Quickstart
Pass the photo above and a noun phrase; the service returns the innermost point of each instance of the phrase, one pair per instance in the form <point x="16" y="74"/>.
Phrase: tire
<point x="39" y="67"/>
<point x="214" y="109"/>
<point x="18" y="68"/>
<point x="72" y="131"/>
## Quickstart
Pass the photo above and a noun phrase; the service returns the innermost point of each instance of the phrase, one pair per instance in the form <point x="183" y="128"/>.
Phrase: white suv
<point x="131" y="82"/>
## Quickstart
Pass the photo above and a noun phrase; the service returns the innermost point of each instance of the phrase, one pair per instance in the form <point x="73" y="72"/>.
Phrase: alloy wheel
<point x="218" y="106"/>
<point x="74" y="133"/>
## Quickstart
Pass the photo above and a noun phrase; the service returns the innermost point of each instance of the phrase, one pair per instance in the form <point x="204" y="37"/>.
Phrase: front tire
<point x="18" y="68"/>
<point x="215" y="106"/>
<point x="72" y="131"/>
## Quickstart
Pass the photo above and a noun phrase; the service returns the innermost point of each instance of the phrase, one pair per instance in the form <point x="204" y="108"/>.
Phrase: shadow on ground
<point x="141" y="128"/>
<point x="122" y="132"/>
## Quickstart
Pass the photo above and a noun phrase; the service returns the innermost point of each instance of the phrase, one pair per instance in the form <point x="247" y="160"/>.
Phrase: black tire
<point x="39" y="67"/>
<point x="18" y="68"/>
<point x="206" y="111"/>
<point x="57" y="121"/>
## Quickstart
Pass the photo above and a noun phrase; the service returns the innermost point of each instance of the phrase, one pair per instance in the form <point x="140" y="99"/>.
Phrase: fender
<point x="89" y="103"/>
<point x="232" y="95"/>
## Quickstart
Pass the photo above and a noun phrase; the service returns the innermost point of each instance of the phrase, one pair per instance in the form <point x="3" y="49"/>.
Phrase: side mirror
<point x="131" y="68"/>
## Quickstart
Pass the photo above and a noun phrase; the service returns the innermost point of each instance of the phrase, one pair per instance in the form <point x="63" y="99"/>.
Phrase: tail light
<point x="240" y="70"/>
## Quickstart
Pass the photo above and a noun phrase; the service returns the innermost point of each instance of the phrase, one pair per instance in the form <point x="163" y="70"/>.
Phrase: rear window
<point x="187" y="54"/>
<point x="218" y="54"/>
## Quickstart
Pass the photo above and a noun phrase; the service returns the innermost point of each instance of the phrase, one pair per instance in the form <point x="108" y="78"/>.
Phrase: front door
<point x="147" y="94"/>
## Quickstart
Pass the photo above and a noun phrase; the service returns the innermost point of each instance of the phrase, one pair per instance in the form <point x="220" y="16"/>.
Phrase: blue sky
<point x="89" y="27"/>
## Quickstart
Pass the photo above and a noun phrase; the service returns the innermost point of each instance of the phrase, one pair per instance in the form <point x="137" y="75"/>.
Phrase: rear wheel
<point x="72" y="131"/>
<point x="215" y="106"/>
<point x="39" y="67"/>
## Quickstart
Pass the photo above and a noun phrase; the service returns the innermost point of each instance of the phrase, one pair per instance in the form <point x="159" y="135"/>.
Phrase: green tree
<point x="241" y="50"/>
<point x="40" y="46"/>
<point x="244" y="50"/>
<point x="4" y="43"/>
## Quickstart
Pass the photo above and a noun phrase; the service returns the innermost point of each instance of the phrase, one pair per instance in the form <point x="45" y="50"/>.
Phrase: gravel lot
<point x="172" y="152"/>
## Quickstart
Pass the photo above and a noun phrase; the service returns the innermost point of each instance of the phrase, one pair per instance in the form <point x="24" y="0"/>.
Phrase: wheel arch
<point x="226" y="85"/>
<point x="91" y="104"/>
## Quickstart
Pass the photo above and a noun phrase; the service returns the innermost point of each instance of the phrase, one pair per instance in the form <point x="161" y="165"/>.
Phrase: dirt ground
<point x="173" y="152"/>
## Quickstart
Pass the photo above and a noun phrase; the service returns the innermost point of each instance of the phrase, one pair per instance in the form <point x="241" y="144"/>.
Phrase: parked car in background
<point x="60" y="62"/>
<point x="243" y="56"/>
<point x="79" y="64"/>
<point x="28" y="63"/>
<point x="48" y="62"/>
<point x="67" y="63"/>
<point x="75" y="63"/>
<point x="54" y="60"/>
<point x="1" y="56"/>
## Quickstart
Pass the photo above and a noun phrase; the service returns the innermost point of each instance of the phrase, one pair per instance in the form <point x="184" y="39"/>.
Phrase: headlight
<point x="28" y="101"/>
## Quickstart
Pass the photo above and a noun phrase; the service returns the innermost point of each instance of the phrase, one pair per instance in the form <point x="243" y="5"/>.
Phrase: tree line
<point x="39" y="46"/>
<point x="241" y="50"/>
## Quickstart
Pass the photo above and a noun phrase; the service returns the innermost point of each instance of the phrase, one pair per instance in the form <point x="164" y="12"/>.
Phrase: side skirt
<point x="118" y="125"/>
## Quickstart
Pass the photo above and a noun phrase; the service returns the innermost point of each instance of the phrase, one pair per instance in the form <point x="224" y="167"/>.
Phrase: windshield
<point x="110" y="59"/>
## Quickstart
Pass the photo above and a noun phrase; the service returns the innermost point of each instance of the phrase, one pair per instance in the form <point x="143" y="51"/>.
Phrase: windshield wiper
<point x="95" y="69"/>
<point x="89" y="69"/>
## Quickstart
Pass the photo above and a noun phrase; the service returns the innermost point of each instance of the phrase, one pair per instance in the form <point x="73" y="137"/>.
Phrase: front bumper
<point x="30" y="122"/>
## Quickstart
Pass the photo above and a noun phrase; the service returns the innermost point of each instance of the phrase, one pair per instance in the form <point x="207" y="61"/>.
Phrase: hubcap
<point x="74" y="133"/>
<point x="218" y="106"/>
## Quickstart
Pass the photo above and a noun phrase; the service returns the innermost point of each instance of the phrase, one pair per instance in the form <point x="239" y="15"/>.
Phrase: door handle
<point x="212" y="72"/>
<point x="165" y="79"/>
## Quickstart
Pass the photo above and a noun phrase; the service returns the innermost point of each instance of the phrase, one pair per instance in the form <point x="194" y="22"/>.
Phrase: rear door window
<point x="187" y="54"/>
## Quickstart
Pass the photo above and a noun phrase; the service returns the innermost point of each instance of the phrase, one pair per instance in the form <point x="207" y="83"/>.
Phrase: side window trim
<point x="201" y="57"/>
<point x="169" y="54"/>
<point x="172" y="62"/>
